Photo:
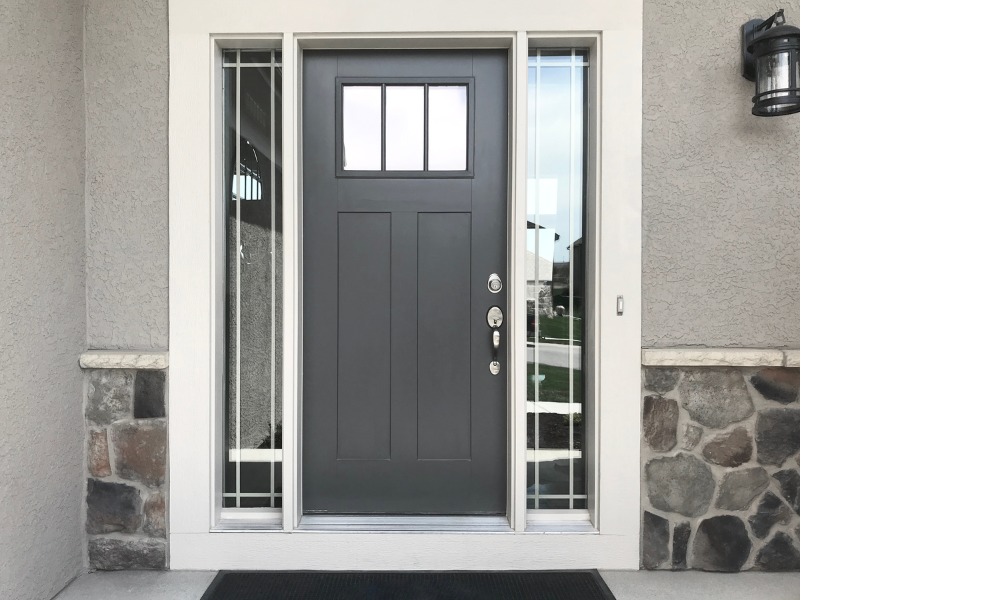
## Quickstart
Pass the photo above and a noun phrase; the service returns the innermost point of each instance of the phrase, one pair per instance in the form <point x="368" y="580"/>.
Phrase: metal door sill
<point x="405" y="524"/>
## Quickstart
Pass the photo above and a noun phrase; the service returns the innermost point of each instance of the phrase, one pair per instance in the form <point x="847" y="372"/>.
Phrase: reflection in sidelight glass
<point x="252" y="194"/>
<point x="404" y="128"/>
<point x="556" y="271"/>
<point x="362" y="127"/>
<point x="447" y="127"/>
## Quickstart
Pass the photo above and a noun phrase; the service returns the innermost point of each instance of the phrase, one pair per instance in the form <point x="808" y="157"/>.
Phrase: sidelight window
<point x="252" y="178"/>
<point x="556" y="279"/>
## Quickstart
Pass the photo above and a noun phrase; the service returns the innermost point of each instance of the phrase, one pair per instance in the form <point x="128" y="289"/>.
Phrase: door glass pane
<point x="556" y="279"/>
<point x="404" y="128"/>
<point x="447" y="124"/>
<point x="362" y="127"/>
<point x="252" y="193"/>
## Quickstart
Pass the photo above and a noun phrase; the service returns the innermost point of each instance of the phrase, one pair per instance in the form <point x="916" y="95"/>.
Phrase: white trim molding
<point x="719" y="357"/>
<point x="199" y="536"/>
<point x="124" y="359"/>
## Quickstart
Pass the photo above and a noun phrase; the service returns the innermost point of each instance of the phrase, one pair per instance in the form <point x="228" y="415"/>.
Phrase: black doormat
<point x="408" y="585"/>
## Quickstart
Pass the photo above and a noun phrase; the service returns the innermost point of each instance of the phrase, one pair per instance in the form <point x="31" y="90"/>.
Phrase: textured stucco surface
<point x="42" y="315"/>
<point x="720" y="186"/>
<point x="126" y="108"/>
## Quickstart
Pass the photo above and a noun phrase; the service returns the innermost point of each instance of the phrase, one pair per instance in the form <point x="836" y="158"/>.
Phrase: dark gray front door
<point x="404" y="220"/>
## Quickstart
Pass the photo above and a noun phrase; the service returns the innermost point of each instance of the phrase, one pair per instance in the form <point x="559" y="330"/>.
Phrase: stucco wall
<point x="720" y="186"/>
<point x="42" y="316"/>
<point x="126" y="108"/>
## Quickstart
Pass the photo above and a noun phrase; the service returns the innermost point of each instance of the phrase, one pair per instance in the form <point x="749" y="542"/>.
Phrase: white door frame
<point x="200" y="538"/>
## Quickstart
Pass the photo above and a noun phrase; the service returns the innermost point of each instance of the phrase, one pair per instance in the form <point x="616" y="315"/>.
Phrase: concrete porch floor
<point x="626" y="585"/>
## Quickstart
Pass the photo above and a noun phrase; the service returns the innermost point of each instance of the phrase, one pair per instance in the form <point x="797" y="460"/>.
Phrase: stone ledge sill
<point x="719" y="357"/>
<point x="113" y="359"/>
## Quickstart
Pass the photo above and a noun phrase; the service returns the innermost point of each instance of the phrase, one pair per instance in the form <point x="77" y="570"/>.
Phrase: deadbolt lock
<point x="494" y="284"/>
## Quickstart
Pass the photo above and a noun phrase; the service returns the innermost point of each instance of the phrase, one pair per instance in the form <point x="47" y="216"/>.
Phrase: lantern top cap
<point x="779" y="32"/>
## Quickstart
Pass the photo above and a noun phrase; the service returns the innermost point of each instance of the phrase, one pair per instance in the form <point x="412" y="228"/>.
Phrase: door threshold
<point x="406" y="523"/>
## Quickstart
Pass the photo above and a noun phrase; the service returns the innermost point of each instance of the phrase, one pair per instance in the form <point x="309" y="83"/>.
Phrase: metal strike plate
<point x="494" y="284"/>
<point x="494" y="317"/>
<point x="495" y="367"/>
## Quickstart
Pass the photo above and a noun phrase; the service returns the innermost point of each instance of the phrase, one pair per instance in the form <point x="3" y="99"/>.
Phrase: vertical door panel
<point x="364" y="273"/>
<point x="444" y="334"/>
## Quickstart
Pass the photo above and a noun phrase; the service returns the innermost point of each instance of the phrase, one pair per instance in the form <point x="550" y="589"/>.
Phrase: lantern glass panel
<point x="773" y="72"/>
<point x="774" y="80"/>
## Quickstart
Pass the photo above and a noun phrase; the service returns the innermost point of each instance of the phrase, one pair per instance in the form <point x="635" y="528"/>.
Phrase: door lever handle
<point x="494" y="318"/>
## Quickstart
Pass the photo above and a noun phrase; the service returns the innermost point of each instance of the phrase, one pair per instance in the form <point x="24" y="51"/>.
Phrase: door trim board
<point x="197" y="250"/>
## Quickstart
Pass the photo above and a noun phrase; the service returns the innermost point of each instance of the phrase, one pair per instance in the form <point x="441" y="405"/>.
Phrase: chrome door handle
<point x="494" y="318"/>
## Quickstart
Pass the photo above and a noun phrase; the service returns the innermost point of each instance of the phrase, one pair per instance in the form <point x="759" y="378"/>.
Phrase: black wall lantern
<point x="771" y="59"/>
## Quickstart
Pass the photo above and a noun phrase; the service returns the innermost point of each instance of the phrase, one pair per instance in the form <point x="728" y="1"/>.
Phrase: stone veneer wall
<point x="720" y="468"/>
<point x="127" y="469"/>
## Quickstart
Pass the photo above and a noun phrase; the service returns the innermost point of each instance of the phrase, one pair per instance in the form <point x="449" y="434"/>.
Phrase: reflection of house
<point x="539" y="267"/>
<point x="561" y="280"/>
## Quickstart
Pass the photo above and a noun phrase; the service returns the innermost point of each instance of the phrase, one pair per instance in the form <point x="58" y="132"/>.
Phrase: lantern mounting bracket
<point x="751" y="29"/>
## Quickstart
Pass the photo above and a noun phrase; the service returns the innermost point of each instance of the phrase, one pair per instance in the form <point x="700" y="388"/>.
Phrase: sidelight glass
<point x="556" y="279"/>
<point x="362" y="127"/>
<point x="404" y="128"/>
<point x="252" y="196"/>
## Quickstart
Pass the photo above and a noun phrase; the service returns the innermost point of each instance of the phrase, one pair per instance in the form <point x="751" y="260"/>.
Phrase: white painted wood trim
<point x="116" y="359"/>
<point x="517" y="334"/>
<point x="719" y="357"/>
<point x="613" y="541"/>
<point x="381" y="551"/>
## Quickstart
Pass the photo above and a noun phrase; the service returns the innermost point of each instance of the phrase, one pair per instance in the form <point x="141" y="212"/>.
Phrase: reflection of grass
<point x="558" y="327"/>
<point x="555" y="387"/>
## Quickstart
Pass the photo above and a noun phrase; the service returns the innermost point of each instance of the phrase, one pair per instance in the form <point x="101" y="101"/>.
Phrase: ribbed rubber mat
<point x="408" y="585"/>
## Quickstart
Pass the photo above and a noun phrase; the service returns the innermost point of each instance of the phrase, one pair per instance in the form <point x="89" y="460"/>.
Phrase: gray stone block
<point x="660" y="379"/>
<point x="112" y="507"/>
<point x="682" y="533"/>
<point x="770" y="512"/>
<point x="715" y="397"/>
<point x="692" y="435"/>
<point x="780" y="384"/>
<point x="789" y="482"/>
<point x="155" y="511"/>
<point x="681" y="484"/>
<point x="780" y="554"/>
<point x="655" y="538"/>
<point x="141" y="451"/>
<point x="740" y="488"/>
<point x="149" y="394"/>
<point x="98" y="462"/>
<point x="115" y="554"/>
<point x="659" y="423"/>
<point x="109" y="395"/>
<point x="777" y="435"/>
<point x="721" y="544"/>
<point x="730" y="449"/>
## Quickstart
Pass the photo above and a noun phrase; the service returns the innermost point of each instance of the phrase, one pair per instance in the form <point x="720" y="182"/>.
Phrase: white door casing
<point x="197" y="32"/>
